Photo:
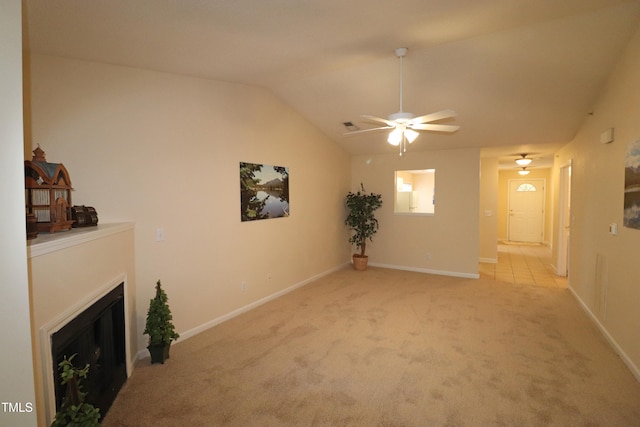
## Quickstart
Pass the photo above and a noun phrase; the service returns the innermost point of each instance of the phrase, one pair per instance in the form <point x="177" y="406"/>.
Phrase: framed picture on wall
<point x="264" y="191"/>
<point x="632" y="186"/>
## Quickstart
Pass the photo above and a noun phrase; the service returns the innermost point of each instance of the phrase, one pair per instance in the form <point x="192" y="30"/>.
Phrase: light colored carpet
<point x="391" y="348"/>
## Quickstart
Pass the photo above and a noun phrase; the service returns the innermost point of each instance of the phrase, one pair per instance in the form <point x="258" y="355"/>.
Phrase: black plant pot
<point x="159" y="353"/>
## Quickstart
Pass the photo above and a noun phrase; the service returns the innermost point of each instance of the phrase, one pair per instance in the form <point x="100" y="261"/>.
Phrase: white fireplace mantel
<point x="51" y="242"/>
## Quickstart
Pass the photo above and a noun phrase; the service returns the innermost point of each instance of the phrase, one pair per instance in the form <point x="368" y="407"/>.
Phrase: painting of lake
<point x="632" y="186"/>
<point x="264" y="191"/>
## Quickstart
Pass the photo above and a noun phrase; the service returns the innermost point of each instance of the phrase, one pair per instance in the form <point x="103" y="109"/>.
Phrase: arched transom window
<point x="526" y="187"/>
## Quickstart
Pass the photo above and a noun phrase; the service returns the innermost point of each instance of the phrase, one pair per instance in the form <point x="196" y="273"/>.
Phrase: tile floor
<point x="523" y="264"/>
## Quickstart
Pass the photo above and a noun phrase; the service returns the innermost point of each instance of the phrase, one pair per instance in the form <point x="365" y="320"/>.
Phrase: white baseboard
<point x="144" y="353"/>
<point x="626" y="359"/>
<point x="489" y="260"/>
<point x="427" y="270"/>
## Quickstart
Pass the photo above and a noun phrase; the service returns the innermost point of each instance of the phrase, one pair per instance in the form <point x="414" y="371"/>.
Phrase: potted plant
<point x="159" y="326"/>
<point x="74" y="410"/>
<point x="362" y="221"/>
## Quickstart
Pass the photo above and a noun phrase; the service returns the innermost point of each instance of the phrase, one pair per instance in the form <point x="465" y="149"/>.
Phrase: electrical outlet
<point x="243" y="286"/>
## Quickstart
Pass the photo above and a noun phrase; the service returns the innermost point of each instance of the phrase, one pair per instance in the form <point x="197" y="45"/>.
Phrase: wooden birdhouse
<point x="47" y="193"/>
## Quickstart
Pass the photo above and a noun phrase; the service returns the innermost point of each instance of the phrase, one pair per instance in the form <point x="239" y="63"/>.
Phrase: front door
<point x="526" y="210"/>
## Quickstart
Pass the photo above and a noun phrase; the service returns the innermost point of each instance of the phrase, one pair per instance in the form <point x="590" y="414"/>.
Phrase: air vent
<point x="350" y="126"/>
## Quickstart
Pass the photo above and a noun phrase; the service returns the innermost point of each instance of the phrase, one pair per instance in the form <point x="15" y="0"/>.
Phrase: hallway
<point x="523" y="264"/>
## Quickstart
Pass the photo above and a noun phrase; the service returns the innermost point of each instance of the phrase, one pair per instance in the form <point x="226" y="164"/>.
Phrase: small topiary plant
<point x="159" y="324"/>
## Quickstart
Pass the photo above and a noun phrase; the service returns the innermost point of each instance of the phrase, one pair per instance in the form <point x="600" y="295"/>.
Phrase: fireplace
<point x="70" y="272"/>
<point x="97" y="337"/>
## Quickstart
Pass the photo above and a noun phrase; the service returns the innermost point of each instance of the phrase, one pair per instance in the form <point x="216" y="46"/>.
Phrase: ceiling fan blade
<point x="444" y="114"/>
<point x="359" y="132"/>
<point x="434" y="127"/>
<point x="378" y="119"/>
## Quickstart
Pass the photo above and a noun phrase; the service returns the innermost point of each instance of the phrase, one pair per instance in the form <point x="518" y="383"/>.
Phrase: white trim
<point x="144" y="353"/>
<point x="635" y="370"/>
<point x="561" y="265"/>
<point x="57" y="323"/>
<point x="427" y="270"/>
<point x="51" y="242"/>
<point x="489" y="260"/>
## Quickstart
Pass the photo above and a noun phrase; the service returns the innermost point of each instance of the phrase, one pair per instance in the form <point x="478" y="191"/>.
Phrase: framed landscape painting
<point x="264" y="191"/>
<point x="632" y="186"/>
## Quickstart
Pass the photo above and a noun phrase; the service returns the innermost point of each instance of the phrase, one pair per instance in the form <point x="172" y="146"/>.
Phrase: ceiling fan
<point x="403" y="124"/>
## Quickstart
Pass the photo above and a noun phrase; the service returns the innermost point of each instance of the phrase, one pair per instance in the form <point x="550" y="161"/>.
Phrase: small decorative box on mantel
<point x="47" y="193"/>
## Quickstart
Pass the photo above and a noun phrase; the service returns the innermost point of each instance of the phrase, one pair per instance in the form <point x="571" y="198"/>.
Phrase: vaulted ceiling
<point x="521" y="74"/>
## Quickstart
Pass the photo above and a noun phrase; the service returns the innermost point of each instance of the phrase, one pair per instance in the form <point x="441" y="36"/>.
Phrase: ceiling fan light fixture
<point x="395" y="137"/>
<point x="411" y="135"/>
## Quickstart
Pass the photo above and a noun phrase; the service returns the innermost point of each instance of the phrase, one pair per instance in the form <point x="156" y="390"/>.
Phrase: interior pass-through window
<point x="415" y="192"/>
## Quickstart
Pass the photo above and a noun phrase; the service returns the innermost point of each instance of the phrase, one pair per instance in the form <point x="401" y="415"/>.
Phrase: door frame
<point x="564" y="219"/>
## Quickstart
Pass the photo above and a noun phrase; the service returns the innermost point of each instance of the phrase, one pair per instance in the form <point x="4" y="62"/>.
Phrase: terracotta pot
<point x="360" y="262"/>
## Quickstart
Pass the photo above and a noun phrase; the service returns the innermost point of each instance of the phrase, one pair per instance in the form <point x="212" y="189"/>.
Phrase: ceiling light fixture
<point x="401" y="134"/>
<point x="523" y="161"/>
<point x="411" y="135"/>
<point x="524" y="171"/>
<point x="395" y="136"/>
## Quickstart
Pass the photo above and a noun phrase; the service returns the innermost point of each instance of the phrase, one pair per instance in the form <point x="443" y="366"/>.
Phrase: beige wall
<point x="488" y="221"/>
<point x="445" y="243"/>
<point x="16" y="369"/>
<point x="597" y="201"/>
<point x="503" y="201"/>
<point x="163" y="150"/>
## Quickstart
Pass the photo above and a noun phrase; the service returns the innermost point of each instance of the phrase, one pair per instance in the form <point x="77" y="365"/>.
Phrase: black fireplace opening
<point x="97" y="337"/>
